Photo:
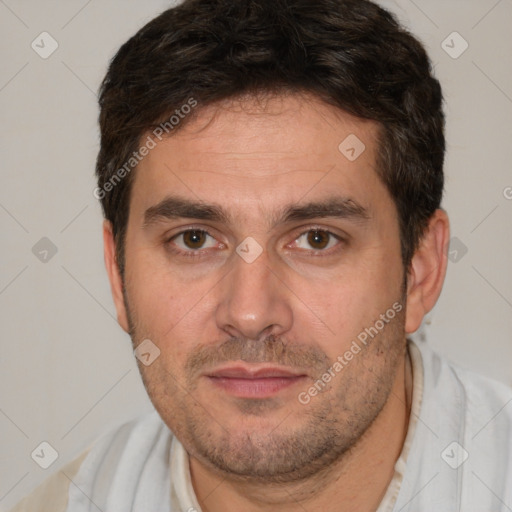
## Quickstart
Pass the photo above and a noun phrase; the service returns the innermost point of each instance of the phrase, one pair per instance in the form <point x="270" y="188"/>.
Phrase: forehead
<point x="255" y="155"/>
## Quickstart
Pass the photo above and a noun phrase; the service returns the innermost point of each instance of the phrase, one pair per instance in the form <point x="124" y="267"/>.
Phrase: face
<point x="257" y="256"/>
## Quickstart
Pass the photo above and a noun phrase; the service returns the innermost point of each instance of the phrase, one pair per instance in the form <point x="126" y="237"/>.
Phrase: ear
<point x="427" y="270"/>
<point x="116" y="283"/>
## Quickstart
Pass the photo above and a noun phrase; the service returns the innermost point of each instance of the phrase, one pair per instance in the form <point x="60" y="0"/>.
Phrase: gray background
<point x="66" y="369"/>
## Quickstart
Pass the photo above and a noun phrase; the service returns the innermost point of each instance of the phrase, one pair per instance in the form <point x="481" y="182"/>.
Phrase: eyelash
<point x="188" y="254"/>
<point x="201" y="253"/>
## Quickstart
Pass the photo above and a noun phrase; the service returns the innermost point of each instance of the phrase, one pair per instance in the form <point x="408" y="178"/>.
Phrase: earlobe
<point x="427" y="270"/>
<point x="116" y="282"/>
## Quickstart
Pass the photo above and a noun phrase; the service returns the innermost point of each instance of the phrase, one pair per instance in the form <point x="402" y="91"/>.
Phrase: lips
<point x="254" y="382"/>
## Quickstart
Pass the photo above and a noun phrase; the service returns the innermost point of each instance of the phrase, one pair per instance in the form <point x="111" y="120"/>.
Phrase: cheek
<point x="158" y="296"/>
<point x="167" y="308"/>
<point x="350" y="301"/>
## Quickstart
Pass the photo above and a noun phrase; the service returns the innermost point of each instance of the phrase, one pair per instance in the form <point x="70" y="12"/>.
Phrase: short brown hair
<point x="352" y="54"/>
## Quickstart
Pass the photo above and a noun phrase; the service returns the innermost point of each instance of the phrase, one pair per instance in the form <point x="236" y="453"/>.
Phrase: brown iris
<point x="194" y="239"/>
<point x="318" y="239"/>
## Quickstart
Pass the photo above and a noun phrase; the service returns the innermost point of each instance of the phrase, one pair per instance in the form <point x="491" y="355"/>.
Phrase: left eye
<point x="194" y="239"/>
<point x="317" y="239"/>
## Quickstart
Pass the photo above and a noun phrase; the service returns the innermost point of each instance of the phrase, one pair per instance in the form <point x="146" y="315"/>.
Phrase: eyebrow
<point x="173" y="207"/>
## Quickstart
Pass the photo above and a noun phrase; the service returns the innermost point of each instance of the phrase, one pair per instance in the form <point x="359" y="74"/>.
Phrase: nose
<point x="254" y="301"/>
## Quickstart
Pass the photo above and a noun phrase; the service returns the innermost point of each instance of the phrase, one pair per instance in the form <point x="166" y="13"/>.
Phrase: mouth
<point x="254" y="381"/>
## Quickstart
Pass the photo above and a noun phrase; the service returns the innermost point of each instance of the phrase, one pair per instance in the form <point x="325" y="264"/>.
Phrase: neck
<point x="356" y="482"/>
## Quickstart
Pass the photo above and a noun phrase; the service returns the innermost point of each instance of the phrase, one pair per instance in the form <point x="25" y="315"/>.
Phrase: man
<point x="271" y="174"/>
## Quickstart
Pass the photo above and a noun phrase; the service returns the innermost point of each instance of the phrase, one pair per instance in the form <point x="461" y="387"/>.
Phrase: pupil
<point x="318" y="239"/>
<point x="194" y="239"/>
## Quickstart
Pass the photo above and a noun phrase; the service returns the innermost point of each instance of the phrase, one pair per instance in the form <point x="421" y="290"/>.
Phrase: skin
<point x="299" y="305"/>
